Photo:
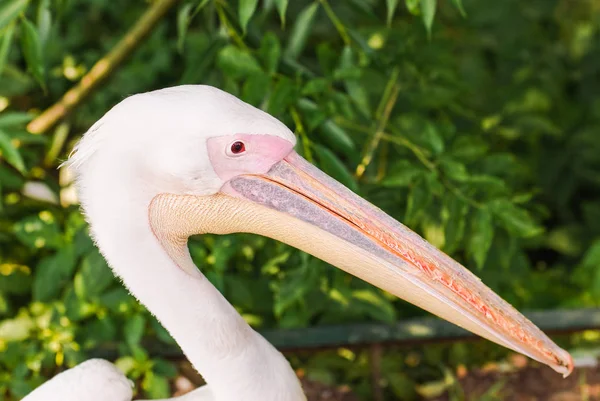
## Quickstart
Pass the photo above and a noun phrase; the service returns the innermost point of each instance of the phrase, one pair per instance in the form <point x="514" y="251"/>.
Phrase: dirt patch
<point x="527" y="383"/>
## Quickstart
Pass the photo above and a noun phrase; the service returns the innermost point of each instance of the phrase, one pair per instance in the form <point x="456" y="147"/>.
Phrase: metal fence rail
<point x="419" y="330"/>
<point x="410" y="331"/>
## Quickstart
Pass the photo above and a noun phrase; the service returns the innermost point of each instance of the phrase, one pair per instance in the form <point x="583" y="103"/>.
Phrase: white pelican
<point x="164" y="165"/>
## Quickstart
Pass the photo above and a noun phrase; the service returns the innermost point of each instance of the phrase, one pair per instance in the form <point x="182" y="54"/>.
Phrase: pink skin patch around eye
<point x="261" y="152"/>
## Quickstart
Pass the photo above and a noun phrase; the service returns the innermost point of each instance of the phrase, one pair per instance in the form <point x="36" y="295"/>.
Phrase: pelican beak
<point x="336" y="225"/>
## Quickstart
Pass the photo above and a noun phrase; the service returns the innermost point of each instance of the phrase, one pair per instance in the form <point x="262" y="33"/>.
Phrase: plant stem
<point x="388" y="100"/>
<point x="102" y="69"/>
<point x="303" y="136"/>
<point x="336" y="22"/>
<point x="419" y="154"/>
<point x="233" y="34"/>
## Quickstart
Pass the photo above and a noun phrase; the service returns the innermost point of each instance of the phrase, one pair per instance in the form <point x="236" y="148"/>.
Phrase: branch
<point x="102" y="69"/>
<point x="384" y="110"/>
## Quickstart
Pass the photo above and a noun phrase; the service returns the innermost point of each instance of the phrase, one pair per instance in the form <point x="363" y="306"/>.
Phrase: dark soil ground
<point x="522" y="382"/>
<point x="529" y="383"/>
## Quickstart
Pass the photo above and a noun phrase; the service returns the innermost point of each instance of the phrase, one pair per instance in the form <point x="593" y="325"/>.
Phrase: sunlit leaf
<point x="391" y="8"/>
<point x="301" y="30"/>
<point x="10" y="153"/>
<point x="246" y="10"/>
<point x="413" y="6"/>
<point x="428" y="9"/>
<point x="44" y="21"/>
<point x="16" y="329"/>
<point x="281" y="9"/>
<point x="10" y="10"/>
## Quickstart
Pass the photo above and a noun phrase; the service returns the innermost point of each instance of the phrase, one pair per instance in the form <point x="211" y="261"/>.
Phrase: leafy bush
<point x="479" y="130"/>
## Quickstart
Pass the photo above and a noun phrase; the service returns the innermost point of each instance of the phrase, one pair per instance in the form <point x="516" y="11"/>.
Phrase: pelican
<point x="164" y="165"/>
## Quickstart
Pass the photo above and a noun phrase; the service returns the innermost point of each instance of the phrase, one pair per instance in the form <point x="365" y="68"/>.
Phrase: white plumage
<point x="165" y="165"/>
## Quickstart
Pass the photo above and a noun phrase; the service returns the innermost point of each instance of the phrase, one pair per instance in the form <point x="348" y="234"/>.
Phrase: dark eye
<point x="237" y="147"/>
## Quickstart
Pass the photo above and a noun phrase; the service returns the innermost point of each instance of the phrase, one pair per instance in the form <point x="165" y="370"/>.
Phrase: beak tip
<point x="570" y="365"/>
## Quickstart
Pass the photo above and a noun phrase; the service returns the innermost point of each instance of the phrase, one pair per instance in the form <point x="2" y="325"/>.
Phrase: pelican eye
<point x="237" y="147"/>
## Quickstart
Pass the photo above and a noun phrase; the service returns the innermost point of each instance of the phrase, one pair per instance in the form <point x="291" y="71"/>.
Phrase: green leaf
<point x="39" y="231"/>
<point x="10" y="10"/>
<point x="391" y="9"/>
<point x="237" y="63"/>
<point x="246" y="10"/>
<point x="117" y="300"/>
<point x="515" y="219"/>
<point x="358" y="93"/>
<point x="419" y="198"/>
<point x="32" y="48"/>
<point x="14" y="119"/>
<point x="10" y="153"/>
<point x="95" y="273"/>
<point x="459" y="5"/>
<point x="428" y="8"/>
<point x="469" y="148"/>
<point x="333" y="166"/>
<point x="432" y="138"/>
<point x="16" y="329"/>
<point x="53" y="273"/>
<point x="482" y="234"/>
<point x="403" y="174"/>
<point x="156" y="386"/>
<point x="454" y="170"/>
<point x="338" y="138"/>
<point x="455" y="222"/>
<point x="6" y="41"/>
<point x="281" y="9"/>
<point x="283" y="95"/>
<point x="183" y="22"/>
<point x="255" y="89"/>
<point x="591" y="259"/>
<point x="413" y="6"/>
<point x="301" y="30"/>
<point x="270" y="52"/>
<point x="134" y="330"/>
<point x="375" y="305"/>
<point x="164" y="368"/>
<point x="44" y="21"/>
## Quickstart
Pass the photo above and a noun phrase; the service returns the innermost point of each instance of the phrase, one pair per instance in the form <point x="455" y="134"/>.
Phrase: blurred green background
<point x="476" y="123"/>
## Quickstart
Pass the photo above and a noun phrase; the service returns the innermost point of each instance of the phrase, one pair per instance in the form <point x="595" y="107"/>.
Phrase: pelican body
<point x="165" y="165"/>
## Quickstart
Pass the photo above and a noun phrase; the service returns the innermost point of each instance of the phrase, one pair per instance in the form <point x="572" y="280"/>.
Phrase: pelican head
<point x="198" y="160"/>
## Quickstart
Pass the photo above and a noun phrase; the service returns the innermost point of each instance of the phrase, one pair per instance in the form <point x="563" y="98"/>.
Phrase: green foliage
<point x="474" y="123"/>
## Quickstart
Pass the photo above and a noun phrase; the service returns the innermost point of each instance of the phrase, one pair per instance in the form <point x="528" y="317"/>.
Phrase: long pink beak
<point x="414" y="269"/>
